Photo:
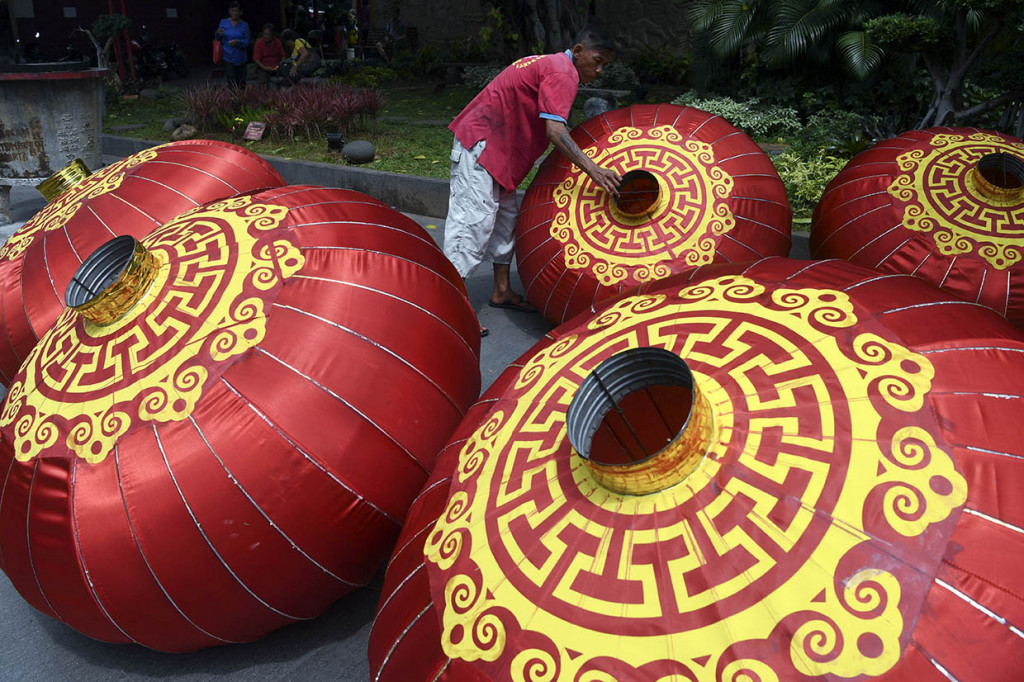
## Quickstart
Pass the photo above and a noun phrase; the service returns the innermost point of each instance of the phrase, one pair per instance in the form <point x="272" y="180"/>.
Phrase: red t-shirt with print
<point x="507" y="114"/>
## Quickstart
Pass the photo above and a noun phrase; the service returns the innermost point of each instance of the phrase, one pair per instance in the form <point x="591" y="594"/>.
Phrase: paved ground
<point x="35" y="647"/>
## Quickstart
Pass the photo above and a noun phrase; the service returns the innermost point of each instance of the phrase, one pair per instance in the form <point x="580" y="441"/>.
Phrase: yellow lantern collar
<point x="1000" y="177"/>
<point x="64" y="179"/>
<point x="112" y="280"/>
<point x="623" y="460"/>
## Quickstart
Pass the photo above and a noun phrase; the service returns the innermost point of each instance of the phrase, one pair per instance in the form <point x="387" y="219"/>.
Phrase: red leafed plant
<point x="313" y="110"/>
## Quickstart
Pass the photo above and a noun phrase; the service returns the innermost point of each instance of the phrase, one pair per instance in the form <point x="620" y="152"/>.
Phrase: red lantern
<point x="133" y="196"/>
<point x="779" y="471"/>
<point x="231" y="439"/>
<point x="943" y="204"/>
<point x="695" y="190"/>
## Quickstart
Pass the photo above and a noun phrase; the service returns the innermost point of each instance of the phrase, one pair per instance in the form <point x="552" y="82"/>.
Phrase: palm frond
<point x="729" y="24"/>
<point x="799" y="26"/>
<point x="859" y="55"/>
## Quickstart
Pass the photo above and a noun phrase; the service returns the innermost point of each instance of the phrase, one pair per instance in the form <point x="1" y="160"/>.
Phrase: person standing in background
<point x="234" y="34"/>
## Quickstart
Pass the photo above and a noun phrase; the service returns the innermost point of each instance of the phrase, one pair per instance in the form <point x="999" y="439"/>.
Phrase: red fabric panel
<point x="991" y="480"/>
<point x="207" y="592"/>
<point x="15" y="553"/>
<point x="18" y="334"/>
<point x="116" y="564"/>
<point x="966" y="642"/>
<point x="913" y="666"/>
<point x="982" y="561"/>
<point x="405" y="642"/>
<point x="55" y="552"/>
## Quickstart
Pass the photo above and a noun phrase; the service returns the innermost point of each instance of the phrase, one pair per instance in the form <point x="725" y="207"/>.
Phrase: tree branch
<point x="963" y="66"/>
<point x="987" y="105"/>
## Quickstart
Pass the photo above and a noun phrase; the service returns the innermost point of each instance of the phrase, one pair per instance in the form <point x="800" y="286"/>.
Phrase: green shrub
<point x="840" y="131"/>
<point x="329" y="67"/>
<point x="805" y="178"/>
<point x="477" y="76"/>
<point x="617" y="76"/>
<point x="760" y="121"/>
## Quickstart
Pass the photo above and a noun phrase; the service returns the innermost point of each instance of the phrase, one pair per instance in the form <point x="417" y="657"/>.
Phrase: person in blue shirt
<point x="234" y="34"/>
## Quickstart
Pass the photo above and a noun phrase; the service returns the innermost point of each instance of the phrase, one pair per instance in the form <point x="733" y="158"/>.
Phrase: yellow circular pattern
<point x="819" y="446"/>
<point x="85" y="385"/>
<point x="682" y="228"/>
<point x="942" y="197"/>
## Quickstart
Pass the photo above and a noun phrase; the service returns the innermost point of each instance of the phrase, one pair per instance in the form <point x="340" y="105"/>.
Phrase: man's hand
<point x="558" y="134"/>
<point x="606" y="179"/>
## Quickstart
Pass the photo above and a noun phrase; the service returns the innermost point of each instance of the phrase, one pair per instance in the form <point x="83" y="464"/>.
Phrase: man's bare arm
<point x="559" y="136"/>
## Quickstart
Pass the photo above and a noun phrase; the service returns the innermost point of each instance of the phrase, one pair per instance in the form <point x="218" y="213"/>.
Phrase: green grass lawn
<point x="410" y="136"/>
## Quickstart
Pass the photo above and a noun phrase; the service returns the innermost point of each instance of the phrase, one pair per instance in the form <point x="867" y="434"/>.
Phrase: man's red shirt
<point x="268" y="54"/>
<point x="509" y="114"/>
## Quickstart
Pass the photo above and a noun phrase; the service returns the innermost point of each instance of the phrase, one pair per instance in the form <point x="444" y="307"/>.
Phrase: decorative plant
<point x="310" y="110"/>
<point x="805" y="178"/>
<point x="760" y="121"/>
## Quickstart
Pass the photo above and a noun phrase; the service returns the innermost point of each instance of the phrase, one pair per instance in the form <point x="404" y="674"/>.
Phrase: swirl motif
<point x="899" y="377"/>
<point x="56" y="214"/>
<point x="857" y="631"/>
<point x="532" y="540"/>
<point x="534" y="665"/>
<point x="938" y="194"/>
<point x="468" y="628"/>
<point x="691" y="212"/>
<point x="922" y="485"/>
<point x="221" y="266"/>
<point x="827" y="309"/>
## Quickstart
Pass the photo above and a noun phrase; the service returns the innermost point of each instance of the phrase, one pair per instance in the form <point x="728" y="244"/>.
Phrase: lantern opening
<point x="111" y="280"/>
<point x="1000" y="176"/>
<point x="64" y="179"/>
<point x="639" y="421"/>
<point x="638" y="196"/>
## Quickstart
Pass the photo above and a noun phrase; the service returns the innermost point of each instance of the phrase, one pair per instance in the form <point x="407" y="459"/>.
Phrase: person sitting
<point x="302" y="60"/>
<point x="268" y="53"/>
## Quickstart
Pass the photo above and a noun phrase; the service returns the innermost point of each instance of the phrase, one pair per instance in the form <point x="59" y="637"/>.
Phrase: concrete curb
<point x="406" y="193"/>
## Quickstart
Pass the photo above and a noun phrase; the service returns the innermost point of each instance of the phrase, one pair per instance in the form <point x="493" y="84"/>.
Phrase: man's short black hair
<point x="595" y="36"/>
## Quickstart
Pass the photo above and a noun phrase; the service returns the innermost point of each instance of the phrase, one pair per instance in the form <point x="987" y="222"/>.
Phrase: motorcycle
<point x="153" y="60"/>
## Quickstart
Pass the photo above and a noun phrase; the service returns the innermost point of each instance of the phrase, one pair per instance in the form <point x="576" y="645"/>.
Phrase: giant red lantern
<point x="133" y="196"/>
<point x="942" y="204"/>
<point x="782" y="471"/>
<point x="695" y="190"/>
<point x="227" y="438"/>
